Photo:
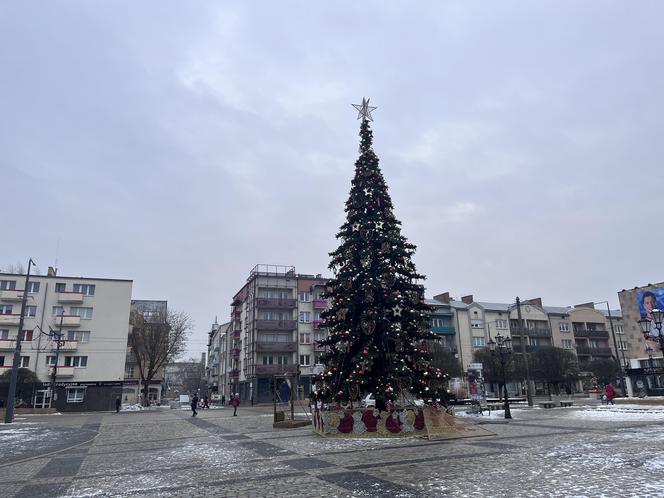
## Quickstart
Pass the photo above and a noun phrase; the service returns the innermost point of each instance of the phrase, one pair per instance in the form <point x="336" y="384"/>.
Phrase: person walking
<point x="610" y="393"/>
<point x="205" y="402"/>
<point x="235" y="403"/>
<point x="118" y="403"/>
<point x="223" y="399"/>
<point x="194" y="405"/>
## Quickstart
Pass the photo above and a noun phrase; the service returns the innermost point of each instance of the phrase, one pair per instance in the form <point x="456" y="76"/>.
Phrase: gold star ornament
<point x="364" y="110"/>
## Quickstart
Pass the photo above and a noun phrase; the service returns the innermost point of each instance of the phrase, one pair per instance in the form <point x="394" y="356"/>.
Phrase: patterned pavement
<point x="169" y="453"/>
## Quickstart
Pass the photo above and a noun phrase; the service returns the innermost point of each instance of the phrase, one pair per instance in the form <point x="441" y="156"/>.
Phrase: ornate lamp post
<point x="502" y="348"/>
<point x="646" y="326"/>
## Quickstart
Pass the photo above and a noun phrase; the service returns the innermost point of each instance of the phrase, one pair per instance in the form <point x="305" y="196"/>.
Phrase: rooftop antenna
<point x="57" y="251"/>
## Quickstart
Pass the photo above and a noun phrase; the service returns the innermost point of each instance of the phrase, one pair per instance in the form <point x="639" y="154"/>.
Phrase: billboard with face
<point x="648" y="301"/>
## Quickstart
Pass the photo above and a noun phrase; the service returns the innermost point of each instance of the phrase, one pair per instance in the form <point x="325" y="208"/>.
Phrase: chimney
<point x="537" y="301"/>
<point x="585" y="305"/>
<point x="52" y="272"/>
<point x="467" y="299"/>
<point x="443" y="298"/>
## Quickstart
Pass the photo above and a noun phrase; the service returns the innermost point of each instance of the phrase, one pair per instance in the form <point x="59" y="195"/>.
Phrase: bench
<point x="547" y="404"/>
<point x="495" y="406"/>
<point x="566" y="404"/>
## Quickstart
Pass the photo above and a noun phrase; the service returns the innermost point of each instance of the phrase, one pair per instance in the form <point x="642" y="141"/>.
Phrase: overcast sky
<point x="178" y="144"/>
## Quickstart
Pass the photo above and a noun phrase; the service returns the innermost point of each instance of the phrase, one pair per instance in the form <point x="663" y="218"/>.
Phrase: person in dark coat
<point x="118" y="403"/>
<point x="223" y="399"/>
<point x="205" y="402"/>
<point x="235" y="403"/>
<point x="194" y="404"/>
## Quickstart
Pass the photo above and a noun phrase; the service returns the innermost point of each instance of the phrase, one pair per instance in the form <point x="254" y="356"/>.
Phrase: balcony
<point x="603" y="334"/>
<point x="70" y="297"/>
<point x="216" y="349"/>
<point x="603" y="351"/>
<point x="237" y="334"/>
<point x="320" y="304"/>
<point x="62" y="372"/>
<point x="67" y="321"/>
<point x="318" y="347"/>
<point x="275" y="369"/>
<point x="276" y="324"/>
<point x="236" y="314"/>
<point x="11" y="295"/>
<point x="234" y="373"/>
<point x="10" y="319"/>
<point x="274" y="346"/>
<point x="278" y="303"/>
<point x="235" y="353"/>
<point x="443" y="329"/>
<point x="583" y="351"/>
<point x="66" y="346"/>
<point x="535" y="332"/>
<point x="7" y="344"/>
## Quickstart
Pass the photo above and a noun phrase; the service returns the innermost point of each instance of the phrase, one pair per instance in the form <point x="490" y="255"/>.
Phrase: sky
<point x="179" y="144"/>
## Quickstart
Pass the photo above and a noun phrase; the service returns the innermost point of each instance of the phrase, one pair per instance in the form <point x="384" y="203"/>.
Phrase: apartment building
<point x="132" y="390"/>
<point x="91" y="314"/>
<point x="218" y="358"/>
<point x="275" y="329"/>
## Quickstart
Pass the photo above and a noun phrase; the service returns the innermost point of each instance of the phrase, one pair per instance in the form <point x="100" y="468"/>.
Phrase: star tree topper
<point x="364" y="110"/>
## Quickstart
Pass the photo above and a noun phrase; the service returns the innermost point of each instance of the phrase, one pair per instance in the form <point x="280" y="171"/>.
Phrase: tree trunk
<point x="146" y="392"/>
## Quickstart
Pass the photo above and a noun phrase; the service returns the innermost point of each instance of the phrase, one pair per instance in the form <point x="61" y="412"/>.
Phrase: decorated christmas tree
<point x="377" y="319"/>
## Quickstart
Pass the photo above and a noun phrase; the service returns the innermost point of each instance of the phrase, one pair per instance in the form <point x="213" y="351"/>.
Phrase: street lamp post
<point x="9" y="406"/>
<point x="502" y="348"/>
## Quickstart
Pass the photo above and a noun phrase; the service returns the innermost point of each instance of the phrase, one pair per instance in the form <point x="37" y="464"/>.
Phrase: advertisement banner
<point x="648" y="301"/>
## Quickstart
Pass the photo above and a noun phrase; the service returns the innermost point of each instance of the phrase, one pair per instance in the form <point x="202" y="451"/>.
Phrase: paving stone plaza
<point x="558" y="452"/>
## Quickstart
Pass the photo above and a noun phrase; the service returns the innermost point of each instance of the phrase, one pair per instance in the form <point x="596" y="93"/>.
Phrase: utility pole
<point x="529" y="395"/>
<point x="57" y="356"/>
<point x="9" y="406"/>
<point x="615" y="345"/>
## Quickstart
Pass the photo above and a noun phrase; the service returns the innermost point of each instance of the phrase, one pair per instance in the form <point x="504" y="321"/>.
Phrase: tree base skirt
<point x="408" y="422"/>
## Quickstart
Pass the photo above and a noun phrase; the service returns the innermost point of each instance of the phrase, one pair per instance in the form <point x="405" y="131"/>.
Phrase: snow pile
<point x="131" y="408"/>
<point x="493" y="414"/>
<point x="619" y="413"/>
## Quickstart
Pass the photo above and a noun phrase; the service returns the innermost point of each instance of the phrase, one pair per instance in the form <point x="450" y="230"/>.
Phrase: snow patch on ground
<point x="493" y="414"/>
<point x="24" y="435"/>
<point x="620" y="413"/>
<point x="131" y="408"/>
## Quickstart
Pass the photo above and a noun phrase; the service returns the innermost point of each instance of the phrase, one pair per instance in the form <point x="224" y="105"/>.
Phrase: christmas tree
<point x="377" y="319"/>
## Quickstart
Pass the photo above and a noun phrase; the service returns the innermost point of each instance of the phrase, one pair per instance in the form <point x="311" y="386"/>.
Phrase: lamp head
<point x="645" y="327"/>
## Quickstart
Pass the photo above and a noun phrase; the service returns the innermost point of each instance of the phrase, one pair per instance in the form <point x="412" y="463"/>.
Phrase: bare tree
<point x="156" y="341"/>
<point x="16" y="268"/>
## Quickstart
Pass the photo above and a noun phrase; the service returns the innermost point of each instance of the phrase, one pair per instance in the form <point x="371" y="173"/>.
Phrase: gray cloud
<point x="180" y="144"/>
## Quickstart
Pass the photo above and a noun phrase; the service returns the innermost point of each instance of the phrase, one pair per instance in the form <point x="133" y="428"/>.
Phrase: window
<point x="317" y="317"/>
<point x="268" y="360"/>
<point x="533" y="341"/>
<point x="33" y="287"/>
<point x="82" y="336"/>
<point x="476" y="324"/>
<point x="129" y="372"/>
<point x="478" y="342"/>
<point x="57" y="311"/>
<point x="305" y="297"/>
<point x="25" y="362"/>
<point x="563" y="327"/>
<point x="26" y="335"/>
<point x="86" y="289"/>
<point x="50" y="361"/>
<point x="305" y="360"/>
<point x="4" y="334"/>
<point x="2" y="361"/>
<point x="305" y="338"/>
<point x="5" y="309"/>
<point x="60" y="287"/>
<point x="276" y="315"/>
<point x="282" y="359"/>
<point x="622" y="345"/>
<point x="305" y="316"/>
<point x="594" y="343"/>
<point x="31" y="310"/>
<point x="319" y="336"/>
<point x="591" y="326"/>
<point x="76" y="361"/>
<point x="7" y="284"/>
<point x="567" y="344"/>
<point x="619" y="329"/>
<point x="75" y="394"/>
<point x="319" y="358"/>
<point x="501" y="324"/>
<point x="85" y="313"/>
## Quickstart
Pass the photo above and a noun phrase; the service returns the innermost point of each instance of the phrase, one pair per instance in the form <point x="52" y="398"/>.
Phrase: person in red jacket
<point x="610" y="393"/>
<point x="235" y="403"/>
